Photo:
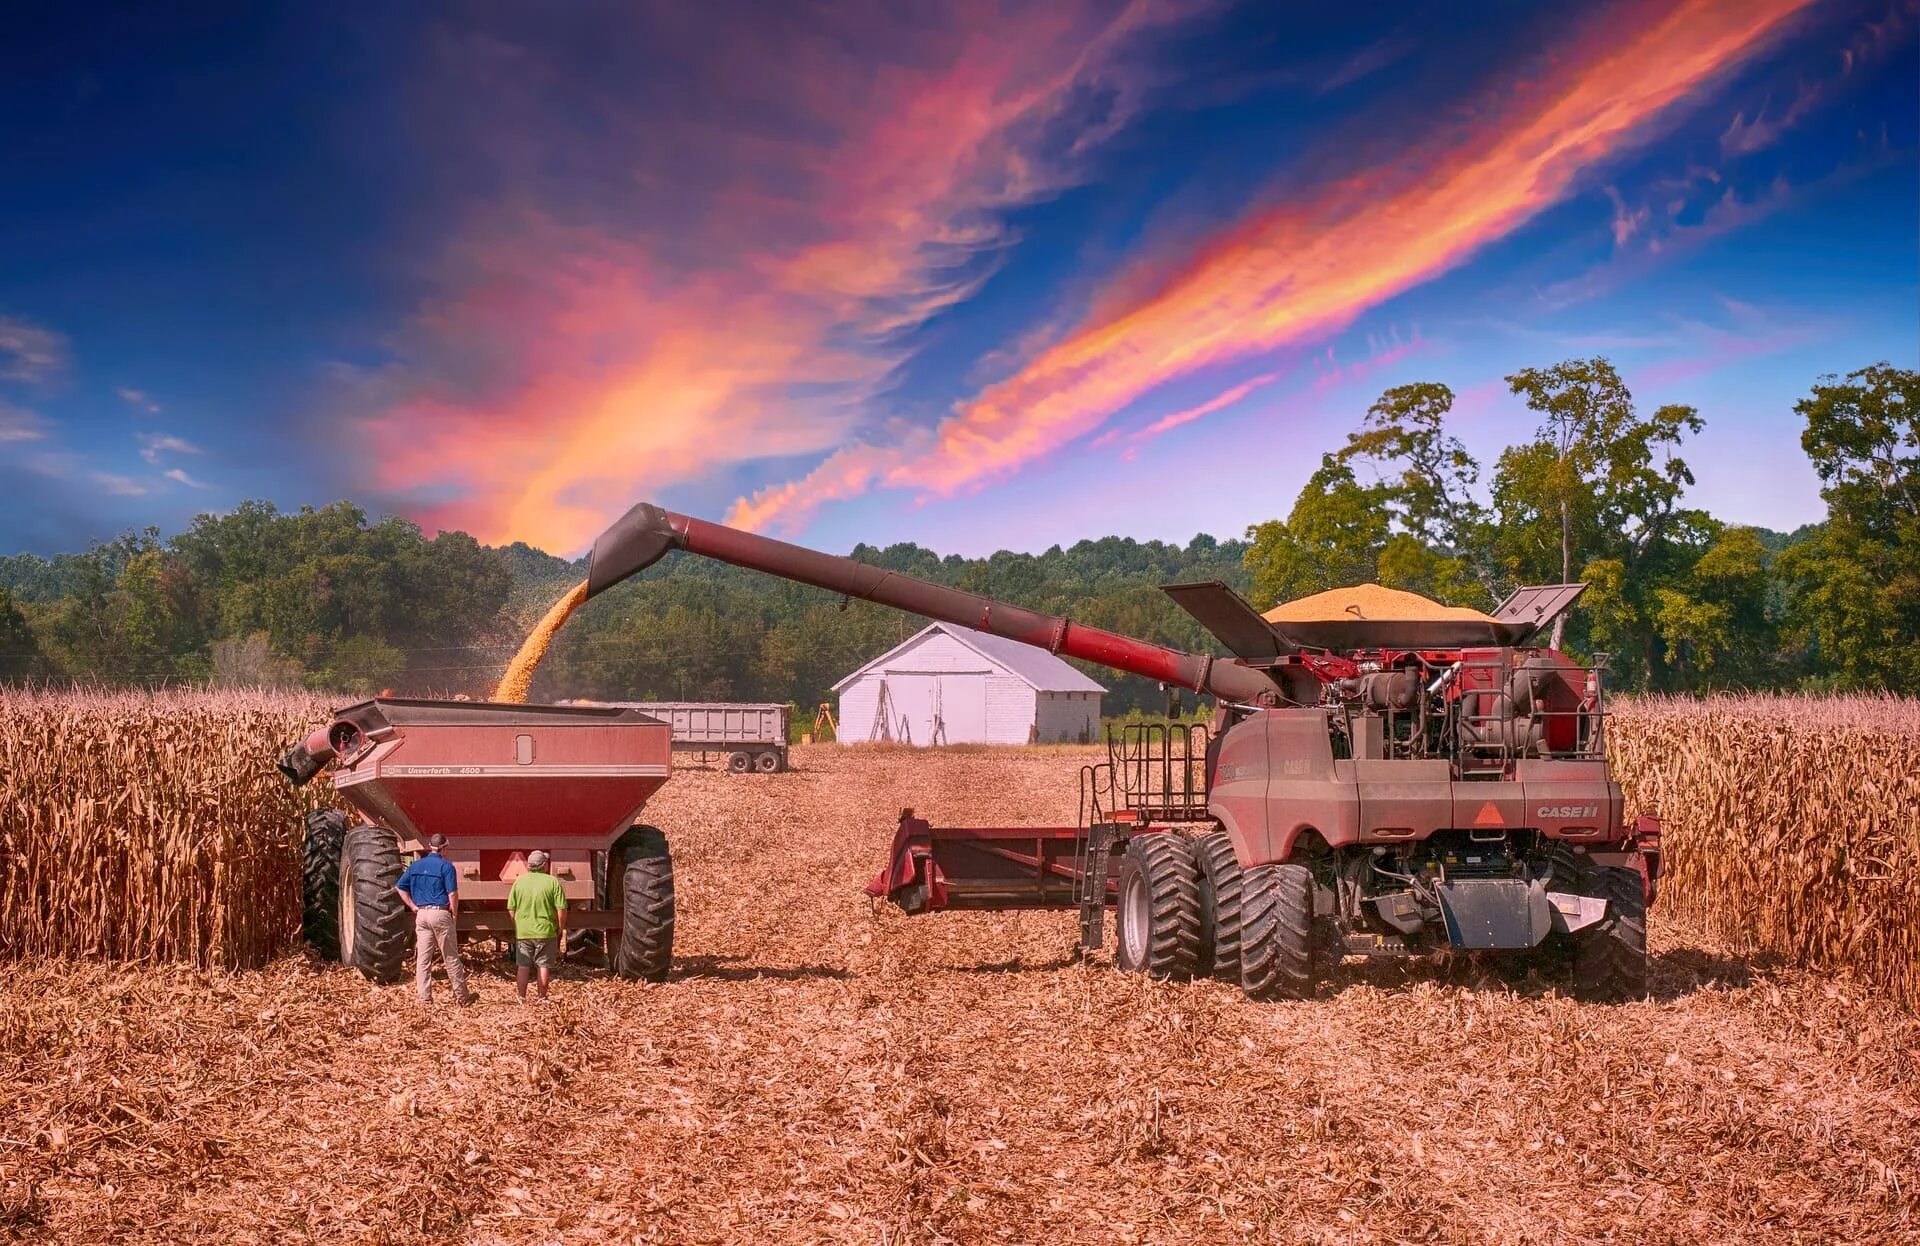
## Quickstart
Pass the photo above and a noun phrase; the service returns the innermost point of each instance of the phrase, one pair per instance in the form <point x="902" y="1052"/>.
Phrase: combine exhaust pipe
<point x="646" y="533"/>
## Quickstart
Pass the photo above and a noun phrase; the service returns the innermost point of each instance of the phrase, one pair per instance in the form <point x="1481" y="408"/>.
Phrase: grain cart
<point x="1378" y="788"/>
<point x="498" y="781"/>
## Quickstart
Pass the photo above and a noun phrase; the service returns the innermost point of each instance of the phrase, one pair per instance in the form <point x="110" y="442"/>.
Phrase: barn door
<point x="945" y="708"/>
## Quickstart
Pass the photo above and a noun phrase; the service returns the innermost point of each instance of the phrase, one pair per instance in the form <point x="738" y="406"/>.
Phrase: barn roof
<point x="1040" y="670"/>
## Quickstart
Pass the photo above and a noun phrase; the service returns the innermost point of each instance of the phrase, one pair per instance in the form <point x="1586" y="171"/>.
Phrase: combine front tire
<point x="641" y="862"/>
<point x="1222" y="885"/>
<point x="1157" y="922"/>
<point x="1610" y="956"/>
<point x="373" y="920"/>
<point x="1278" y="959"/>
<point x="320" y="881"/>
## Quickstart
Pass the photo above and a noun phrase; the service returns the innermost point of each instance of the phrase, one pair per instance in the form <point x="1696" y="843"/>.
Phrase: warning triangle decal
<point x="1489" y="815"/>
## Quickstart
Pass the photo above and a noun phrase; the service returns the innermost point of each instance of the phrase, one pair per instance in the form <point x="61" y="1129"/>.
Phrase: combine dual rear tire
<point x="1157" y="922"/>
<point x="320" y="881"/>
<point x="641" y="861"/>
<point x="1278" y="956"/>
<point x="373" y="921"/>
<point x="1609" y="957"/>
<point x="1222" y="888"/>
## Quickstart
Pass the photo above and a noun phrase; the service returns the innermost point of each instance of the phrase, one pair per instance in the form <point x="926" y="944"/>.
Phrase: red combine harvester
<point x="1367" y="787"/>
<point x="498" y="781"/>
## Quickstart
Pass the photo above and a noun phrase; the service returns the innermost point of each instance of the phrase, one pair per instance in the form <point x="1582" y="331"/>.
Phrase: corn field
<point x="1792" y="824"/>
<point x="142" y="827"/>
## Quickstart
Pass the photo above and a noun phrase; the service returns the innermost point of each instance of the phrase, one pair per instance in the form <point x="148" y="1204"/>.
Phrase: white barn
<point x="953" y="685"/>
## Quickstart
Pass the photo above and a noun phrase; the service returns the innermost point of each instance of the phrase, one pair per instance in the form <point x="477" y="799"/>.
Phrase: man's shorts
<point x="536" y="953"/>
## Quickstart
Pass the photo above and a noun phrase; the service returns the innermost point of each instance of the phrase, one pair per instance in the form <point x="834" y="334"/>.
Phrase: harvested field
<point x="817" y="1071"/>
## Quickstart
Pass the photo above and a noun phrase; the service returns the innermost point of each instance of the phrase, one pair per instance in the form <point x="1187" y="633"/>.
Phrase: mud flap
<point x="1495" y="913"/>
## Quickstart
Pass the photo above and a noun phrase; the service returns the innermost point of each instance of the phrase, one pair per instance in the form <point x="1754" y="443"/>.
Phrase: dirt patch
<point x="819" y="1071"/>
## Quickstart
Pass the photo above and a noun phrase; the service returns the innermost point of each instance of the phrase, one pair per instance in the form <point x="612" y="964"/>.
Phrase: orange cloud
<point x="1302" y="271"/>
<point x="789" y="225"/>
<point x="1220" y="402"/>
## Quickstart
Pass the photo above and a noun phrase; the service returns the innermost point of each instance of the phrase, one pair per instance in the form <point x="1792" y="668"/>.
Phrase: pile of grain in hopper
<point x="1373" y="602"/>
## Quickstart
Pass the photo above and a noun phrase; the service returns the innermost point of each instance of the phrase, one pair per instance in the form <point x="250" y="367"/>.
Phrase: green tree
<point x="1853" y="588"/>
<point x="1713" y="623"/>
<point x="1333" y="536"/>
<point x="1599" y="483"/>
<point x="19" y="648"/>
<point x="1430" y="482"/>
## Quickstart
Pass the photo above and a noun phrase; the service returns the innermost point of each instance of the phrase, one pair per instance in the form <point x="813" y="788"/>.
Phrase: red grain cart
<point x="498" y="781"/>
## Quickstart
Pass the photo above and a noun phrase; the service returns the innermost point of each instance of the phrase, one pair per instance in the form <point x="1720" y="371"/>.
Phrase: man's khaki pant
<point x="433" y="931"/>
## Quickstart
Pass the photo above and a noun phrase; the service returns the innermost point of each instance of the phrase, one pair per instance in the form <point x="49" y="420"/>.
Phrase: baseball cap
<point x="537" y="860"/>
<point x="436" y="840"/>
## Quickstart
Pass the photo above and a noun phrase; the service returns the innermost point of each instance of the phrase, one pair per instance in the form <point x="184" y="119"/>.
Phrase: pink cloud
<point x="1291" y="274"/>
<point x="755" y="254"/>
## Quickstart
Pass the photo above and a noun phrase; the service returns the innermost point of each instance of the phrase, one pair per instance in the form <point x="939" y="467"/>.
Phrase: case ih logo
<point x="1559" y="812"/>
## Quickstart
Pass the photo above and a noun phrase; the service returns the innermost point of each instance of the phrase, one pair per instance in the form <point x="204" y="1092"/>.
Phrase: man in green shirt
<point x="539" y="908"/>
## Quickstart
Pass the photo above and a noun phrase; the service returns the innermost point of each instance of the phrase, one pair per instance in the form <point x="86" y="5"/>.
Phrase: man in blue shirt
<point x="431" y="888"/>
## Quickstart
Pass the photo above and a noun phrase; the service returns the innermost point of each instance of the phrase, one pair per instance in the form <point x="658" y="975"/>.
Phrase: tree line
<point x="331" y="598"/>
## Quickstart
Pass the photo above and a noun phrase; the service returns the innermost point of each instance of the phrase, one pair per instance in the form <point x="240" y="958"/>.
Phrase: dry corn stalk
<point x="150" y="828"/>
<point x="1792" y="824"/>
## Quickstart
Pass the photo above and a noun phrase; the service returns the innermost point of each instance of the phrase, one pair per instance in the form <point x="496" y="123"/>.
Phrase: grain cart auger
<point x="1367" y="787"/>
<point x="498" y="781"/>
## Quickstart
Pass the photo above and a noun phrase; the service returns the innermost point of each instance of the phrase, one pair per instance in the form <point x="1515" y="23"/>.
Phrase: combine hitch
<point x="1151" y="783"/>
<point x="981" y="867"/>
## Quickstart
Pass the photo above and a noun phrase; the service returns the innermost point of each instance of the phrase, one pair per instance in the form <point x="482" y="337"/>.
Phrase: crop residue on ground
<point x="817" y="1070"/>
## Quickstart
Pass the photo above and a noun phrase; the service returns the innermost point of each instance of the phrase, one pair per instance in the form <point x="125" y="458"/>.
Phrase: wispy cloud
<point x="156" y="446"/>
<point x="1382" y="353"/>
<point x="138" y="399"/>
<point x="1296" y="272"/>
<point x="834" y="185"/>
<point x="20" y="425"/>
<point x="117" y="485"/>
<point x="1867" y="42"/>
<point x="179" y="476"/>
<point x="1749" y="332"/>
<point x="1219" y="402"/>
<point x="31" y="353"/>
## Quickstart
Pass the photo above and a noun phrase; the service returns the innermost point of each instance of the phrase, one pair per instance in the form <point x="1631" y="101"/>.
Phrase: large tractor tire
<point x="1222" y="889"/>
<point x="373" y="919"/>
<point x="1157" y="920"/>
<point x="1278" y="956"/>
<point x="320" y="881"/>
<point x="1609" y="958"/>
<point x="642" y="863"/>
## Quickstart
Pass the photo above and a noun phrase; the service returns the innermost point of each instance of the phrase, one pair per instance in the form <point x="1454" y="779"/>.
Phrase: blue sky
<point x="976" y="280"/>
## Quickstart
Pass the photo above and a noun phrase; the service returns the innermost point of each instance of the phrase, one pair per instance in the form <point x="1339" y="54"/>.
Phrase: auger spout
<point x="646" y="533"/>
